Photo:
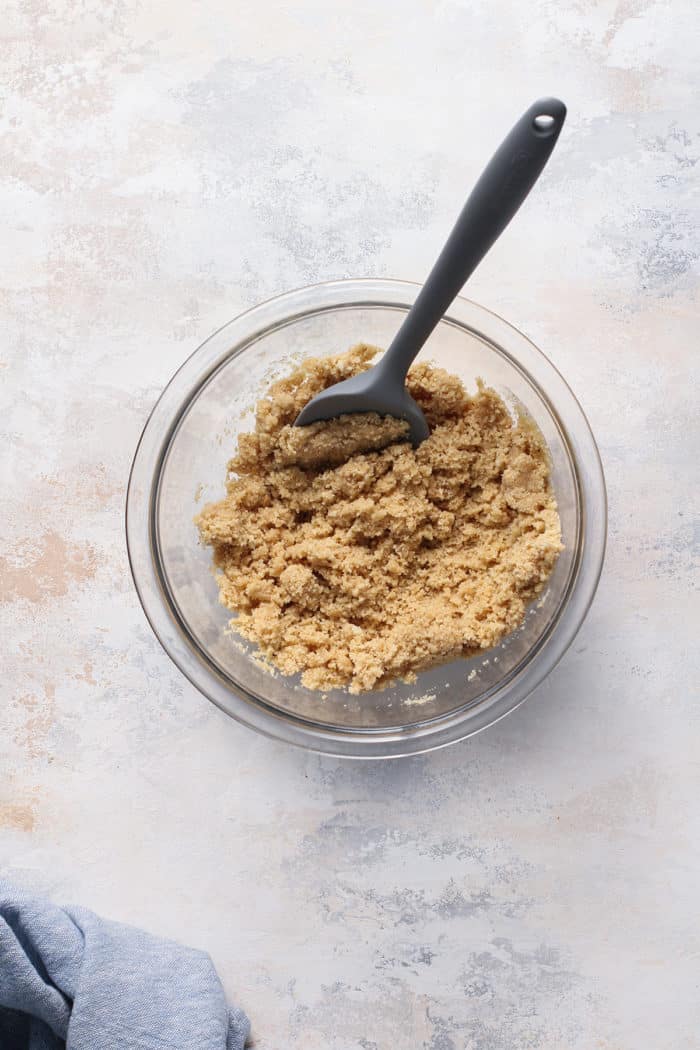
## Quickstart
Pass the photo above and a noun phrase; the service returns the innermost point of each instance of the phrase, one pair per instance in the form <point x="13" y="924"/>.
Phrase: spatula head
<point x="369" y="391"/>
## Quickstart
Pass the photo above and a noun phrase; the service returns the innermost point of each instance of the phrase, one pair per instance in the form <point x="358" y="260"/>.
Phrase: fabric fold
<point x="70" y="979"/>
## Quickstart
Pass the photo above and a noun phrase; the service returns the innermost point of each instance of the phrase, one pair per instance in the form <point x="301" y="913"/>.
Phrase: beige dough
<point x="355" y="559"/>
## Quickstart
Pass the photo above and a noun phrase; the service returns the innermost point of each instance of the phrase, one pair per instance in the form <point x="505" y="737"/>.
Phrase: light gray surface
<point x="165" y="167"/>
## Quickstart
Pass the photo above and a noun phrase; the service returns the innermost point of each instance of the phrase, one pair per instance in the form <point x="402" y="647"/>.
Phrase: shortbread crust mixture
<point x="355" y="559"/>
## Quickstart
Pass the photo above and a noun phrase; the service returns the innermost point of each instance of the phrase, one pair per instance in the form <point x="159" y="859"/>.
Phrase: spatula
<point x="508" y="178"/>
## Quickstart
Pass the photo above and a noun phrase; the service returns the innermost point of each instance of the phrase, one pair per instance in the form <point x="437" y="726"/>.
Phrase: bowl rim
<point x="190" y="378"/>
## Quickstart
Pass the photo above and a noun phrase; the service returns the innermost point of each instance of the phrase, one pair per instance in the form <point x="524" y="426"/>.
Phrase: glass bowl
<point x="180" y="464"/>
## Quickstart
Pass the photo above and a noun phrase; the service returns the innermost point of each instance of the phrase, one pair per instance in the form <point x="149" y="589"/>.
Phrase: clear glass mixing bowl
<point x="180" y="464"/>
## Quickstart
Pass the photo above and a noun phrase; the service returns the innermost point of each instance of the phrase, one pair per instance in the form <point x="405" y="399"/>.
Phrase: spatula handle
<point x="508" y="178"/>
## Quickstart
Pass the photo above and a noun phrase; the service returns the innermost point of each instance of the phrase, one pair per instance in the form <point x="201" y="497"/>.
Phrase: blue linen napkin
<point x="69" y="979"/>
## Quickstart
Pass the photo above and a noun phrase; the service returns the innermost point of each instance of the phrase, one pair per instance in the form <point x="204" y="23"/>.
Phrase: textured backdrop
<point x="165" y="166"/>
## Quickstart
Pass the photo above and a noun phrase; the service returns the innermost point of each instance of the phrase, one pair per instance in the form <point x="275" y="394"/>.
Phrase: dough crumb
<point x="354" y="559"/>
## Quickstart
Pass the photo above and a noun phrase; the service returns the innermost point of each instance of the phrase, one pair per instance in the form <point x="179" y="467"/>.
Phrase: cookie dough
<point x="353" y="558"/>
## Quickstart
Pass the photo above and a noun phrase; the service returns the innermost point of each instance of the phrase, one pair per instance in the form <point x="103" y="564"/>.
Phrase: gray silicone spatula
<point x="510" y="175"/>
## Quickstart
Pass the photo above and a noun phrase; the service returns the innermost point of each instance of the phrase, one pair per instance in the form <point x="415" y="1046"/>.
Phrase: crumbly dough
<point x="355" y="559"/>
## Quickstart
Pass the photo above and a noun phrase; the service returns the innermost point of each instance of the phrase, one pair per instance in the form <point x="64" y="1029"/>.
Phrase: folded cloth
<point x="69" y="979"/>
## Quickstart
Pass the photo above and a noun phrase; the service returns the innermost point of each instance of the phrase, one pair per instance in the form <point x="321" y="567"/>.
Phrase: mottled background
<point x="165" y="165"/>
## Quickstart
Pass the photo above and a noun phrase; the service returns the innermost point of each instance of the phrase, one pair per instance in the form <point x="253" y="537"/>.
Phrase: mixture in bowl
<point x="355" y="559"/>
